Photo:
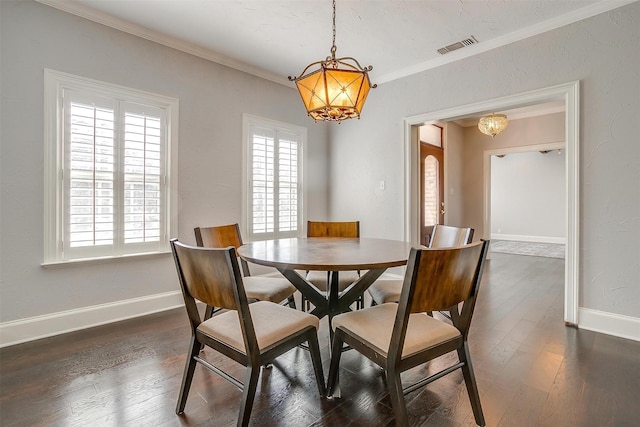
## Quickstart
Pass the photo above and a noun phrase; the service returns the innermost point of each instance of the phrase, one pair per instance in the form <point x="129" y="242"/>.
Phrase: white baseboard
<point x="609" y="323"/>
<point x="534" y="239"/>
<point x="33" y="328"/>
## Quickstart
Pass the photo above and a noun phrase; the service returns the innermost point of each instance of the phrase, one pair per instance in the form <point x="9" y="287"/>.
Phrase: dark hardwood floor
<point x="531" y="371"/>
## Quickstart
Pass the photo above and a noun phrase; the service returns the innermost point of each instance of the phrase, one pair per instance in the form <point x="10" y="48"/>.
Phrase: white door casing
<point x="569" y="93"/>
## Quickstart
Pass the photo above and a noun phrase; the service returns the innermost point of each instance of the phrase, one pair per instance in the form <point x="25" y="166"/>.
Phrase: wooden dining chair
<point x="274" y="289"/>
<point x="398" y="337"/>
<point x="337" y="229"/>
<point x="250" y="334"/>
<point x="443" y="236"/>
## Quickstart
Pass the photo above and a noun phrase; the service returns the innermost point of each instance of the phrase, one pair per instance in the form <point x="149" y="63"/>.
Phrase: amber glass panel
<point x="312" y="90"/>
<point x="343" y="87"/>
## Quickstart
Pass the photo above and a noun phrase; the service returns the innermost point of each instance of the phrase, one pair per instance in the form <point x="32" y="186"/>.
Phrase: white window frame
<point x="55" y="85"/>
<point x="248" y="123"/>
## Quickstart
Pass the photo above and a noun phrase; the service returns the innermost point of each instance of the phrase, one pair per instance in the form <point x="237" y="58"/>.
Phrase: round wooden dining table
<point x="371" y="256"/>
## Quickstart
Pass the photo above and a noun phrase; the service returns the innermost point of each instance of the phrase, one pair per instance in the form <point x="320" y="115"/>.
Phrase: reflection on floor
<point x="549" y="250"/>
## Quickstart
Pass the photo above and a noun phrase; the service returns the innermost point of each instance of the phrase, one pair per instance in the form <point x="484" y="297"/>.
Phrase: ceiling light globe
<point x="493" y="124"/>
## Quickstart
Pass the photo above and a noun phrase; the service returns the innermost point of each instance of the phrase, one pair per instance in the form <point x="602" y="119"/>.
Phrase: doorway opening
<point x="527" y="201"/>
<point x="431" y="180"/>
<point x="569" y="94"/>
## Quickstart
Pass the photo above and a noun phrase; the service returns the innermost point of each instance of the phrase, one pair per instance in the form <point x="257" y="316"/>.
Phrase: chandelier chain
<point x="333" y="46"/>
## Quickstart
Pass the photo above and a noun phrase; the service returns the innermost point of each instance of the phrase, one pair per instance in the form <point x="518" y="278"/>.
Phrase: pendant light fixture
<point x="337" y="89"/>
<point x="493" y="124"/>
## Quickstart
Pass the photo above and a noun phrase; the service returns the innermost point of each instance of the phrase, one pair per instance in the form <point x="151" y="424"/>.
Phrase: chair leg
<point x="248" y="394"/>
<point x="190" y="366"/>
<point x="472" y="386"/>
<point x="208" y="312"/>
<point x="454" y="315"/>
<point x="397" y="397"/>
<point x="336" y="352"/>
<point x="292" y="302"/>
<point x="316" y="359"/>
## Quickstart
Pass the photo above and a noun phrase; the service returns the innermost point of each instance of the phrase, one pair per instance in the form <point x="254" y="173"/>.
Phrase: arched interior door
<point x="432" y="207"/>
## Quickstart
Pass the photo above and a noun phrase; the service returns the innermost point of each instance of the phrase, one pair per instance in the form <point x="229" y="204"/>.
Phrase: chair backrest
<point x="221" y="236"/>
<point x="212" y="275"/>
<point x="208" y="274"/>
<point x="440" y="279"/>
<point x="446" y="236"/>
<point x="349" y="229"/>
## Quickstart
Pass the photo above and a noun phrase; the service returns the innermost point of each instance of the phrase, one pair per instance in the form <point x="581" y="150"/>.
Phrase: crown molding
<point x="83" y="11"/>
<point x="533" y="30"/>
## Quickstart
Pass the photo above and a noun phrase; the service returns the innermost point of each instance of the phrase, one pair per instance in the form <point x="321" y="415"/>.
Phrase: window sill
<point x="104" y="260"/>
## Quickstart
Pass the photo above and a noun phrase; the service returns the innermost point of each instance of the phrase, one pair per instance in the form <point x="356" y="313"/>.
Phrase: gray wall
<point x="602" y="52"/>
<point x="212" y="100"/>
<point x="528" y="196"/>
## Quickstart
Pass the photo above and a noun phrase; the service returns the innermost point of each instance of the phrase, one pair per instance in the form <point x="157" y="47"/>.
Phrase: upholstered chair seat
<point x="274" y="289"/>
<point x="225" y="327"/>
<point x="386" y="290"/>
<point x="375" y="326"/>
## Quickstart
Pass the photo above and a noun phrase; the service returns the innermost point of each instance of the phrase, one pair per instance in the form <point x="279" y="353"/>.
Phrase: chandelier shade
<point x="335" y="89"/>
<point x="332" y="93"/>
<point x="493" y="124"/>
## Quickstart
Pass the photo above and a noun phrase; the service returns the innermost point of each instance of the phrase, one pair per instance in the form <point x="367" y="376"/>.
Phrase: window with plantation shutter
<point x="110" y="175"/>
<point x="274" y="177"/>
<point x="143" y="174"/>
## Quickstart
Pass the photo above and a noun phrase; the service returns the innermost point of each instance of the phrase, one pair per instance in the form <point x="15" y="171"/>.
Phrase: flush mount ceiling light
<point x="337" y="89"/>
<point x="493" y="124"/>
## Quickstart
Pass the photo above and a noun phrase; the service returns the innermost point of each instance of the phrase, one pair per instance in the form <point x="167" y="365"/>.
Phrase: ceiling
<point x="274" y="39"/>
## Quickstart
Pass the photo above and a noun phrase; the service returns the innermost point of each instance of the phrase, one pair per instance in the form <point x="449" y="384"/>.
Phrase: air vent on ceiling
<point x="457" y="45"/>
